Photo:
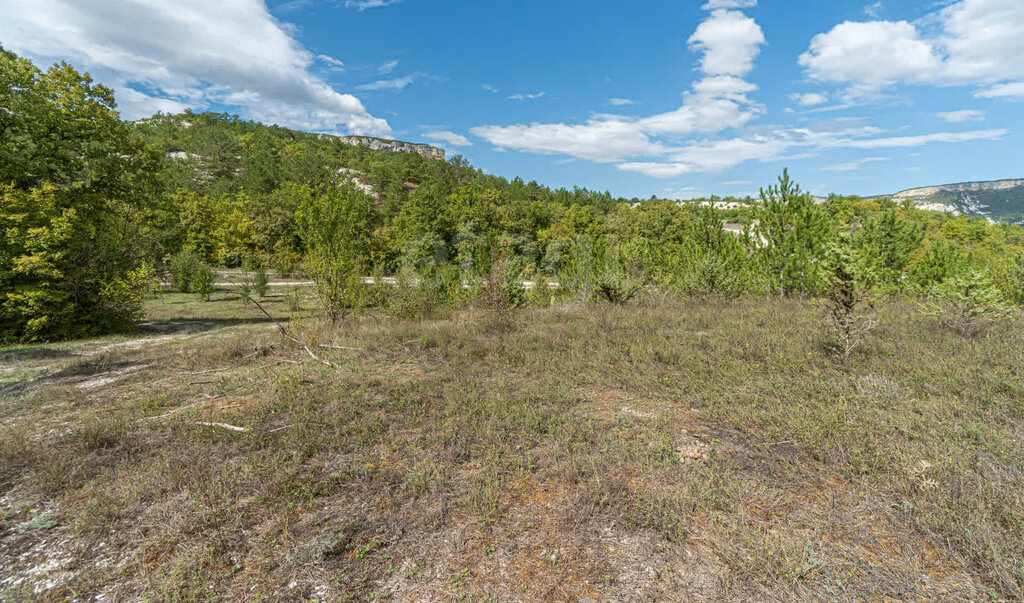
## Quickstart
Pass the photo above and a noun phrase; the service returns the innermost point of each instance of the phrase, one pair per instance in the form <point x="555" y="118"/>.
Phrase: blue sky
<point x="671" y="98"/>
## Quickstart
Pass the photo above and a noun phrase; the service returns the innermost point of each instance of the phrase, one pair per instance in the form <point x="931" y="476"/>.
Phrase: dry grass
<point x="705" y="451"/>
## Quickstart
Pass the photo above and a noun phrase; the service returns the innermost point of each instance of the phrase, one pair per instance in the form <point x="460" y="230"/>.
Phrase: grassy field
<point x="681" y="451"/>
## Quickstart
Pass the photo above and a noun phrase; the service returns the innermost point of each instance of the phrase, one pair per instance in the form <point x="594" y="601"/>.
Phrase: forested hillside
<point x="94" y="208"/>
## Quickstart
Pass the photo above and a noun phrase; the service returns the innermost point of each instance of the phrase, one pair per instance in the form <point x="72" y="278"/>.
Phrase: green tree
<point x="889" y="240"/>
<point x="336" y="229"/>
<point x="72" y="183"/>
<point x="850" y="275"/>
<point x="794" y="232"/>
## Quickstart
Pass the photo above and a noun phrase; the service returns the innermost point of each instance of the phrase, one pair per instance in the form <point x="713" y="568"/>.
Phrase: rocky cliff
<point x="379" y="144"/>
<point x="995" y="200"/>
<point x="961" y="187"/>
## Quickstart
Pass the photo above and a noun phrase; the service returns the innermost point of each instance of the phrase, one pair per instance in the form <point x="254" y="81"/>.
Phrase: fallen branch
<point x="284" y="331"/>
<point x="221" y="425"/>
<point x="338" y="347"/>
<point x="205" y="372"/>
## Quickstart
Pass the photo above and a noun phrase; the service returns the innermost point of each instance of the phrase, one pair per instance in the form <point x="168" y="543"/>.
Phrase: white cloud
<point x="365" y="4"/>
<point x="1011" y="91"/>
<point x="190" y="52"/>
<point x="969" y="42"/>
<point x="716" y="4"/>
<point x="489" y="88"/>
<point x="916" y="141"/>
<point x="720" y="155"/>
<point x="713" y="156"/>
<point x="620" y="102"/>
<point x="387" y="67"/>
<point x="811" y="99"/>
<point x="873" y="10"/>
<point x="983" y="40"/>
<point x="398" y="83"/>
<point x="527" y="96"/>
<point x="870" y="56"/>
<point x="455" y="140"/>
<point x="961" y="116"/>
<point x="596" y="140"/>
<point x="730" y="42"/>
<point x="332" y="63"/>
<point x="852" y="166"/>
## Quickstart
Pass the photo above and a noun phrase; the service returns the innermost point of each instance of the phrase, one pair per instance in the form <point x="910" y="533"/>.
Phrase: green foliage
<point x="850" y="275"/>
<point x="190" y="274"/>
<point x="888" y="241"/>
<point x="71" y="180"/>
<point x="90" y="199"/>
<point x="336" y="228"/>
<point x="794" y="232"/>
<point x="969" y="303"/>
<point x="260" y="284"/>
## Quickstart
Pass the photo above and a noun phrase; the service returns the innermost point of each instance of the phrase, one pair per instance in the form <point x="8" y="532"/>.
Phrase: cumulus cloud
<point x="961" y="116"/>
<point x="811" y="99"/>
<point x="191" y="53"/>
<point x="689" y="139"/>
<point x="455" y="140"/>
<point x="728" y="41"/>
<point x="870" y="56"/>
<point x="973" y="42"/>
<point x="620" y="102"/>
<point x="601" y="140"/>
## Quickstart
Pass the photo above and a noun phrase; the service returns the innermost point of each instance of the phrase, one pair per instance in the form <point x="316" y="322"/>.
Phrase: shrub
<point x="202" y="281"/>
<point x="190" y="274"/>
<point x="849" y="306"/>
<point x="494" y="296"/>
<point x="294" y="300"/>
<point x="260" y="283"/>
<point x="123" y="298"/>
<point x="968" y="303"/>
<point x="415" y="297"/>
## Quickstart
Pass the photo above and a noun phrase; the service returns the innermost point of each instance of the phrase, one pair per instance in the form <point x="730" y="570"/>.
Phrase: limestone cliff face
<point x="962" y="187"/>
<point x="379" y="144"/>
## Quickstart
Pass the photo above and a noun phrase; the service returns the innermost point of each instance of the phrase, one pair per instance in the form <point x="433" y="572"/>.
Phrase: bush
<point x="202" y="281"/>
<point x="415" y="297"/>
<point x="190" y="274"/>
<point x="260" y="284"/>
<point x="494" y="297"/>
<point x="968" y="303"/>
<point x="849" y="307"/>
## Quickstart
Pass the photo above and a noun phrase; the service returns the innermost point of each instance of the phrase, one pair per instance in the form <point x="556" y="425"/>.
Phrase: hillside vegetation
<point x="246" y="363"/>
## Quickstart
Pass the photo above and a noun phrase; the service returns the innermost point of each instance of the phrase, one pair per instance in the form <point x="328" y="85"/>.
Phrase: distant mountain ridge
<point x="958" y="187"/>
<point x="994" y="200"/>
